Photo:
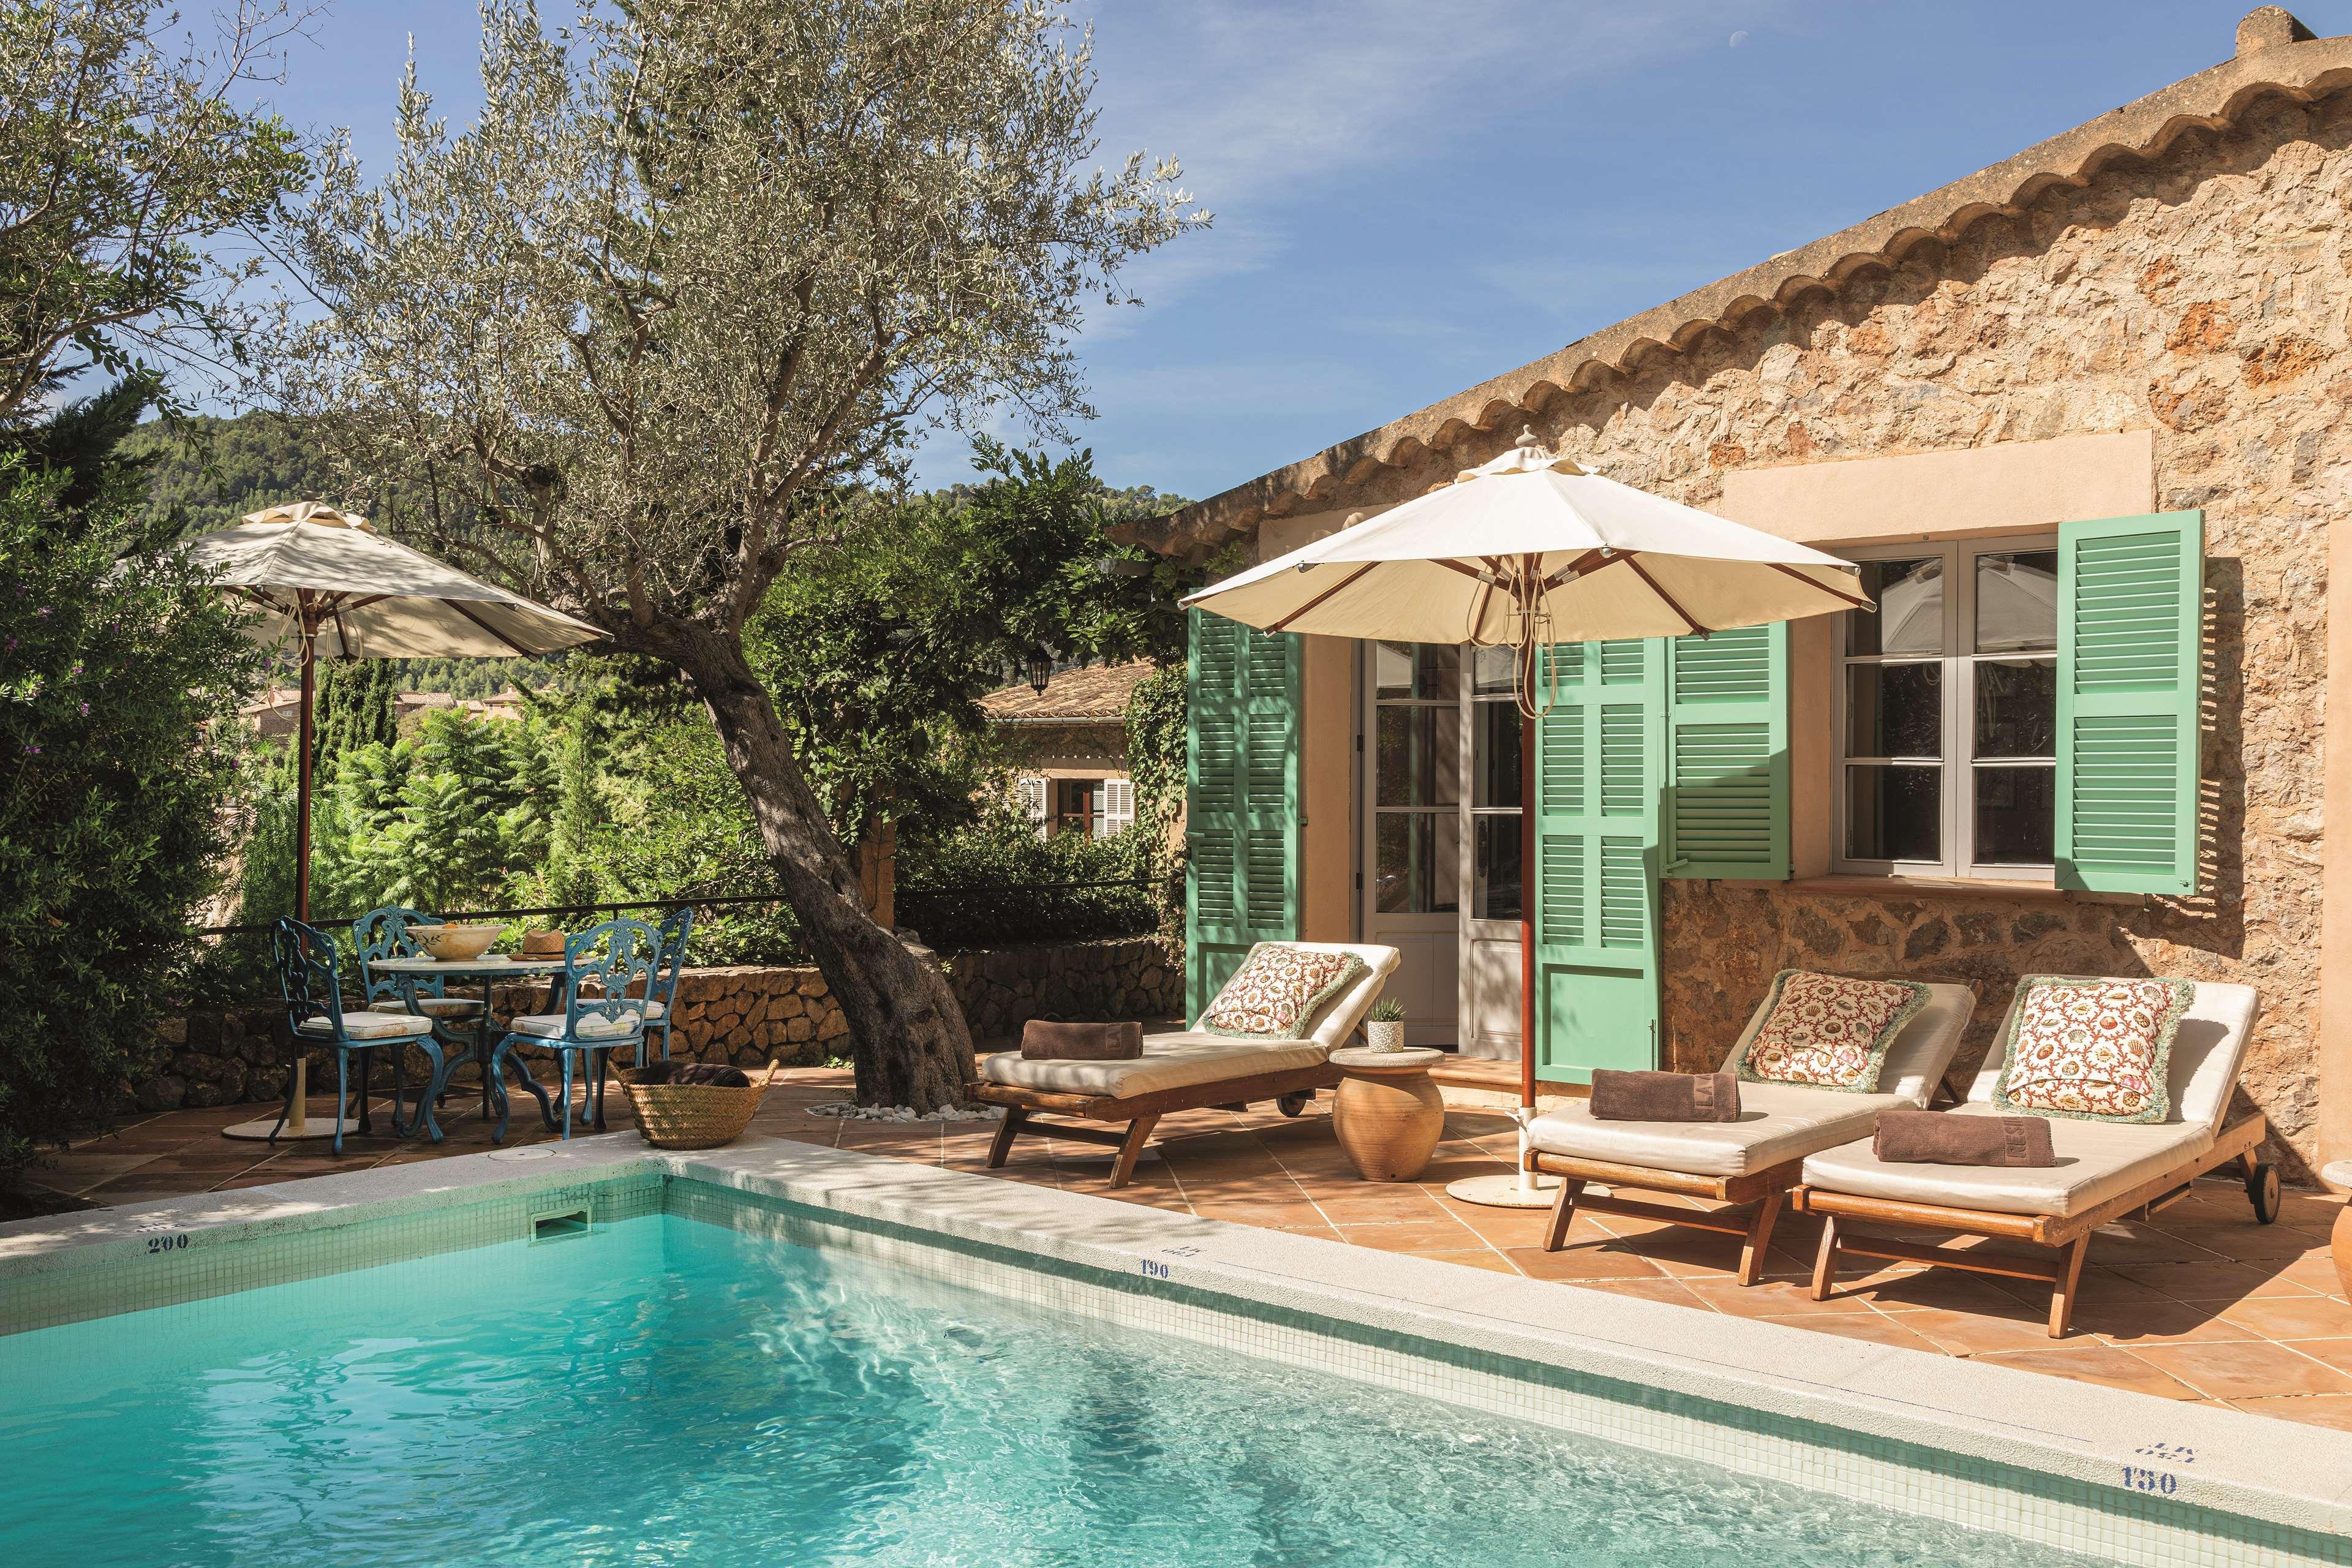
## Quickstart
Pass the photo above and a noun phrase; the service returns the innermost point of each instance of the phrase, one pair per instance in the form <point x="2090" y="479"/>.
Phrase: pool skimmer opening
<point x="559" y="1224"/>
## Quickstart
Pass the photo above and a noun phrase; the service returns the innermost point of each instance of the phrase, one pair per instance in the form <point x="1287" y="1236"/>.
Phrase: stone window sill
<point x="1927" y="887"/>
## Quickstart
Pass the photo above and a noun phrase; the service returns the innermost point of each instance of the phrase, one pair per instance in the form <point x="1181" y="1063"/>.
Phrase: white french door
<point x="1440" y="788"/>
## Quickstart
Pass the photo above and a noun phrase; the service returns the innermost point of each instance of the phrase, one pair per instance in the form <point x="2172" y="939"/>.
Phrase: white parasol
<point x="1524" y="551"/>
<point x="329" y="582"/>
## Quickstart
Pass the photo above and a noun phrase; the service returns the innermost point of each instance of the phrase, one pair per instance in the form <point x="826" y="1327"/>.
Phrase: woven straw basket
<point x="693" y="1115"/>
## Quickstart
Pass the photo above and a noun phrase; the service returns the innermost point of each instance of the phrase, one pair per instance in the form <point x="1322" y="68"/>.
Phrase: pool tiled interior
<point x="2198" y="1304"/>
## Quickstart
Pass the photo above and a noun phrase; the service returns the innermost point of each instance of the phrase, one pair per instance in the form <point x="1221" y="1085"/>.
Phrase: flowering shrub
<point x="119" y="688"/>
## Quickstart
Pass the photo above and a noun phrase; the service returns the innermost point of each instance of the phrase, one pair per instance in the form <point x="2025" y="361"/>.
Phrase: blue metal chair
<point x="662" y="995"/>
<point x="385" y="933"/>
<point x="309" y="980"/>
<point x="601" y="966"/>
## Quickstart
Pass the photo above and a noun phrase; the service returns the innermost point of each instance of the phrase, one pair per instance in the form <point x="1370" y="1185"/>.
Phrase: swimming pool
<point x="667" y="1391"/>
<point x="777" y="1353"/>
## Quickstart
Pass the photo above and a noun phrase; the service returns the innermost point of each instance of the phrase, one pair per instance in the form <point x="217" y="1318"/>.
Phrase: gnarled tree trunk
<point x="913" y="1044"/>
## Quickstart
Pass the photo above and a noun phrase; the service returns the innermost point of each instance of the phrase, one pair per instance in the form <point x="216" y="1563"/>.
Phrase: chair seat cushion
<point x="592" y="1025"/>
<point x="2097" y="1161"/>
<point x="1777" y="1122"/>
<point x="433" y="1007"/>
<point x="1169" y="1061"/>
<point x="371" y="1025"/>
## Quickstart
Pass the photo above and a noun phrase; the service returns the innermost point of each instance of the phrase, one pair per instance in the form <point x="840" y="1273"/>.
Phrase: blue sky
<point x="1412" y="198"/>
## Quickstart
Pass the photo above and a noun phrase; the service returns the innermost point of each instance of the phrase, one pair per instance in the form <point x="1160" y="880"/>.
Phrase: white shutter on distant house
<point x="1033" y="802"/>
<point x="1118" y="806"/>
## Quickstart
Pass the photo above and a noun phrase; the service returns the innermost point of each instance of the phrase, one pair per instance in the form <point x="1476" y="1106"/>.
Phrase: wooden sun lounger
<point x="2206" y="1055"/>
<point x="1777" y="1117"/>
<point x="2069" y="1234"/>
<point x="1235" y="1081"/>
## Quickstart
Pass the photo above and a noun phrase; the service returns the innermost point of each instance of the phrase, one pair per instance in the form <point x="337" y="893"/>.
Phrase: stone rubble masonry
<point x="2198" y="290"/>
<point x="739" y="1014"/>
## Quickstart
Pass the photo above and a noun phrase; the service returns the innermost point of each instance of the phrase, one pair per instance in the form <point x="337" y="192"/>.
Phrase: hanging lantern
<point x="1040" y="671"/>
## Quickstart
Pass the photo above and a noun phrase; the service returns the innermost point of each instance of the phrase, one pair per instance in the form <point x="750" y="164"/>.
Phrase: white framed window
<point x="1117" y="807"/>
<point x="1033" y="802"/>
<point x="1945" y="711"/>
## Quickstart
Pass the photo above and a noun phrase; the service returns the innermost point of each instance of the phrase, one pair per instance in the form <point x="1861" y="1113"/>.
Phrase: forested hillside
<point x="219" y="469"/>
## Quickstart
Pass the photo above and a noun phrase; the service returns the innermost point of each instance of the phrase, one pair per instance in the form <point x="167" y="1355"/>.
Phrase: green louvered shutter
<point x="2131" y="594"/>
<point x="1241" y="801"/>
<point x="1598" y="766"/>
<point x="1727" y="809"/>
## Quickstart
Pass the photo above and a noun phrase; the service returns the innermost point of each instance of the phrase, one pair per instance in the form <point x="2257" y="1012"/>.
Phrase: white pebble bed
<point x="856" y="1112"/>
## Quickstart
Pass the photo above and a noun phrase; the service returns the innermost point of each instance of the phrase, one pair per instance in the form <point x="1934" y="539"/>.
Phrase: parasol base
<point x="1503" y="1191"/>
<point x="316" y="1127"/>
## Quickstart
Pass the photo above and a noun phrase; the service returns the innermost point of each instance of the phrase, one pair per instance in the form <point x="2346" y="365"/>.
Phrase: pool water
<point x="663" y="1390"/>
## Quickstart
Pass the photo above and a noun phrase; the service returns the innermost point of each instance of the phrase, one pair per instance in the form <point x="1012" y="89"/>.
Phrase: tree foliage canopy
<point x="122" y="157"/>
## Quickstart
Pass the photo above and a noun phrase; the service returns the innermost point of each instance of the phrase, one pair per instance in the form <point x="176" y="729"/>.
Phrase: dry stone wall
<point x="2201" y="294"/>
<point x="741" y="1014"/>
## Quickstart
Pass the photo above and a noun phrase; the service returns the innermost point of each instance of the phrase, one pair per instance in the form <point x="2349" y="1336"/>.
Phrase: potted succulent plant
<point x="1384" y="1026"/>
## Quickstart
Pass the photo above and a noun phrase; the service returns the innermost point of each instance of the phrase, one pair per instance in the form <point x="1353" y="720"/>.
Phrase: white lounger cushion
<point x="1777" y="1121"/>
<point x="1169" y="1061"/>
<point x="371" y="1027"/>
<point x="592" y="1025"/>
<point x="2097" y="1161"/>
<point x="1196" y="1057"/>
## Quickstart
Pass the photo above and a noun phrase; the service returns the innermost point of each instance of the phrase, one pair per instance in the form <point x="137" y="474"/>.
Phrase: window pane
<point x="1428" y="670"/>
<point x="1490" y="670"/>
<point x="1894" y="710"/>
<point x="1420" y="760"/>
<point x="2015" y="815"/>
<point x="2017" y="600"/>
<point x="2017" y="708"/>
<point x="1910" y="615"/>
<point x="1497" y="868"/>
<point x="1495" y="781"/>
<point x="1418" y="863"/>
<point x="1894" y="814"/>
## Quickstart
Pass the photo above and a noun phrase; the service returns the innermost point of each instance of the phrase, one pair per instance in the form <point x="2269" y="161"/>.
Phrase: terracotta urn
<point x="1387" y="1115"/>
<point x="2339" y="1241"/>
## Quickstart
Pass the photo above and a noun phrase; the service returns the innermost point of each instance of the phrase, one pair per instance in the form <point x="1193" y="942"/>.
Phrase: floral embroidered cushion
<point x="1831" y="1031"/>
<point x="2097" y="1050"/>
<point x="1277" y="989"/>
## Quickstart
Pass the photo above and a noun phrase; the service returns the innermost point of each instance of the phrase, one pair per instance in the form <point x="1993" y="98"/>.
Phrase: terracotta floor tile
<point x="1574" y="1263"/>
<point x="1951" y="1290"/>
<point x="2099" y="1364"/>
<point x="1320" y="1232"/>
<point x="1876" y="1327"/>
<point x="2294" y="1317"/>
<point x="2254" y="1370"/>
<point x="1672" y="1293"/>
<point x="1444" y="1233"/>
<point x="1980" y="1333"/>
<point x="2214" y="1281"/>
<point x="2135" y="1323"/>
<point x="1485" y="1257"/>
<point x="2321" y="1410"/>
<point x="1771" y="1298"/>
<point x="1278" y="1214"/>
<point x="1372" y="1203"/>
<point x="2336" y="1353"/>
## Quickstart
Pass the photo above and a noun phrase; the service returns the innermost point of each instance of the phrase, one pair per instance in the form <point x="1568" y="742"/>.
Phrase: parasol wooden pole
<point x="297" y="1119"/>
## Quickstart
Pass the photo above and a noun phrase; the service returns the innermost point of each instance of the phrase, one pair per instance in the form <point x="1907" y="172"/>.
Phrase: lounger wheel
<point x="2262" y="1192"/>
<point x="1295" y="1104"/>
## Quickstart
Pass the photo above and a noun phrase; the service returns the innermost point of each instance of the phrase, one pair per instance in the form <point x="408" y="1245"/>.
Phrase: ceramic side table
<point x="1387" y="1115"/>
<point x="2339" y="1241"/>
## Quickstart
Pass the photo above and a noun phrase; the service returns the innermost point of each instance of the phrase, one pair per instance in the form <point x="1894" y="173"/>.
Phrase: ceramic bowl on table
<point x="455" y="943"/>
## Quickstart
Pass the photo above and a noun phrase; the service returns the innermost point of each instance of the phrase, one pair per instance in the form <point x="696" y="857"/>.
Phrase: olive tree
<point x="125" y="163"/>
<point x="697" y="270"/>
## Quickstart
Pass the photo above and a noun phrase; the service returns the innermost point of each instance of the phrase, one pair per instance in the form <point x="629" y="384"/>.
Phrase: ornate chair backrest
<point x="609" y="969"/>
<point x="384" y="933"/>
<point x="306" y="974"/>
<point x="676" y="927"/>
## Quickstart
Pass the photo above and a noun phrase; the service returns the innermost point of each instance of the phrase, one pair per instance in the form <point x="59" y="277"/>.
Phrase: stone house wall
<point x="741" y="1013"/>
<point x="2198" y="293"/>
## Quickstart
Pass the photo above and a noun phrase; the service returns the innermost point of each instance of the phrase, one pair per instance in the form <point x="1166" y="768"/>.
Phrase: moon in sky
<point x="1739" y="37"/>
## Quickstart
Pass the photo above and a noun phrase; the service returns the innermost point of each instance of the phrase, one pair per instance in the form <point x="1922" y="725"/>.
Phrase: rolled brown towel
<point x="1933" y="1138"/>
<point x="1043" y="1040"/>
<point x="1663" y="1096"/>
